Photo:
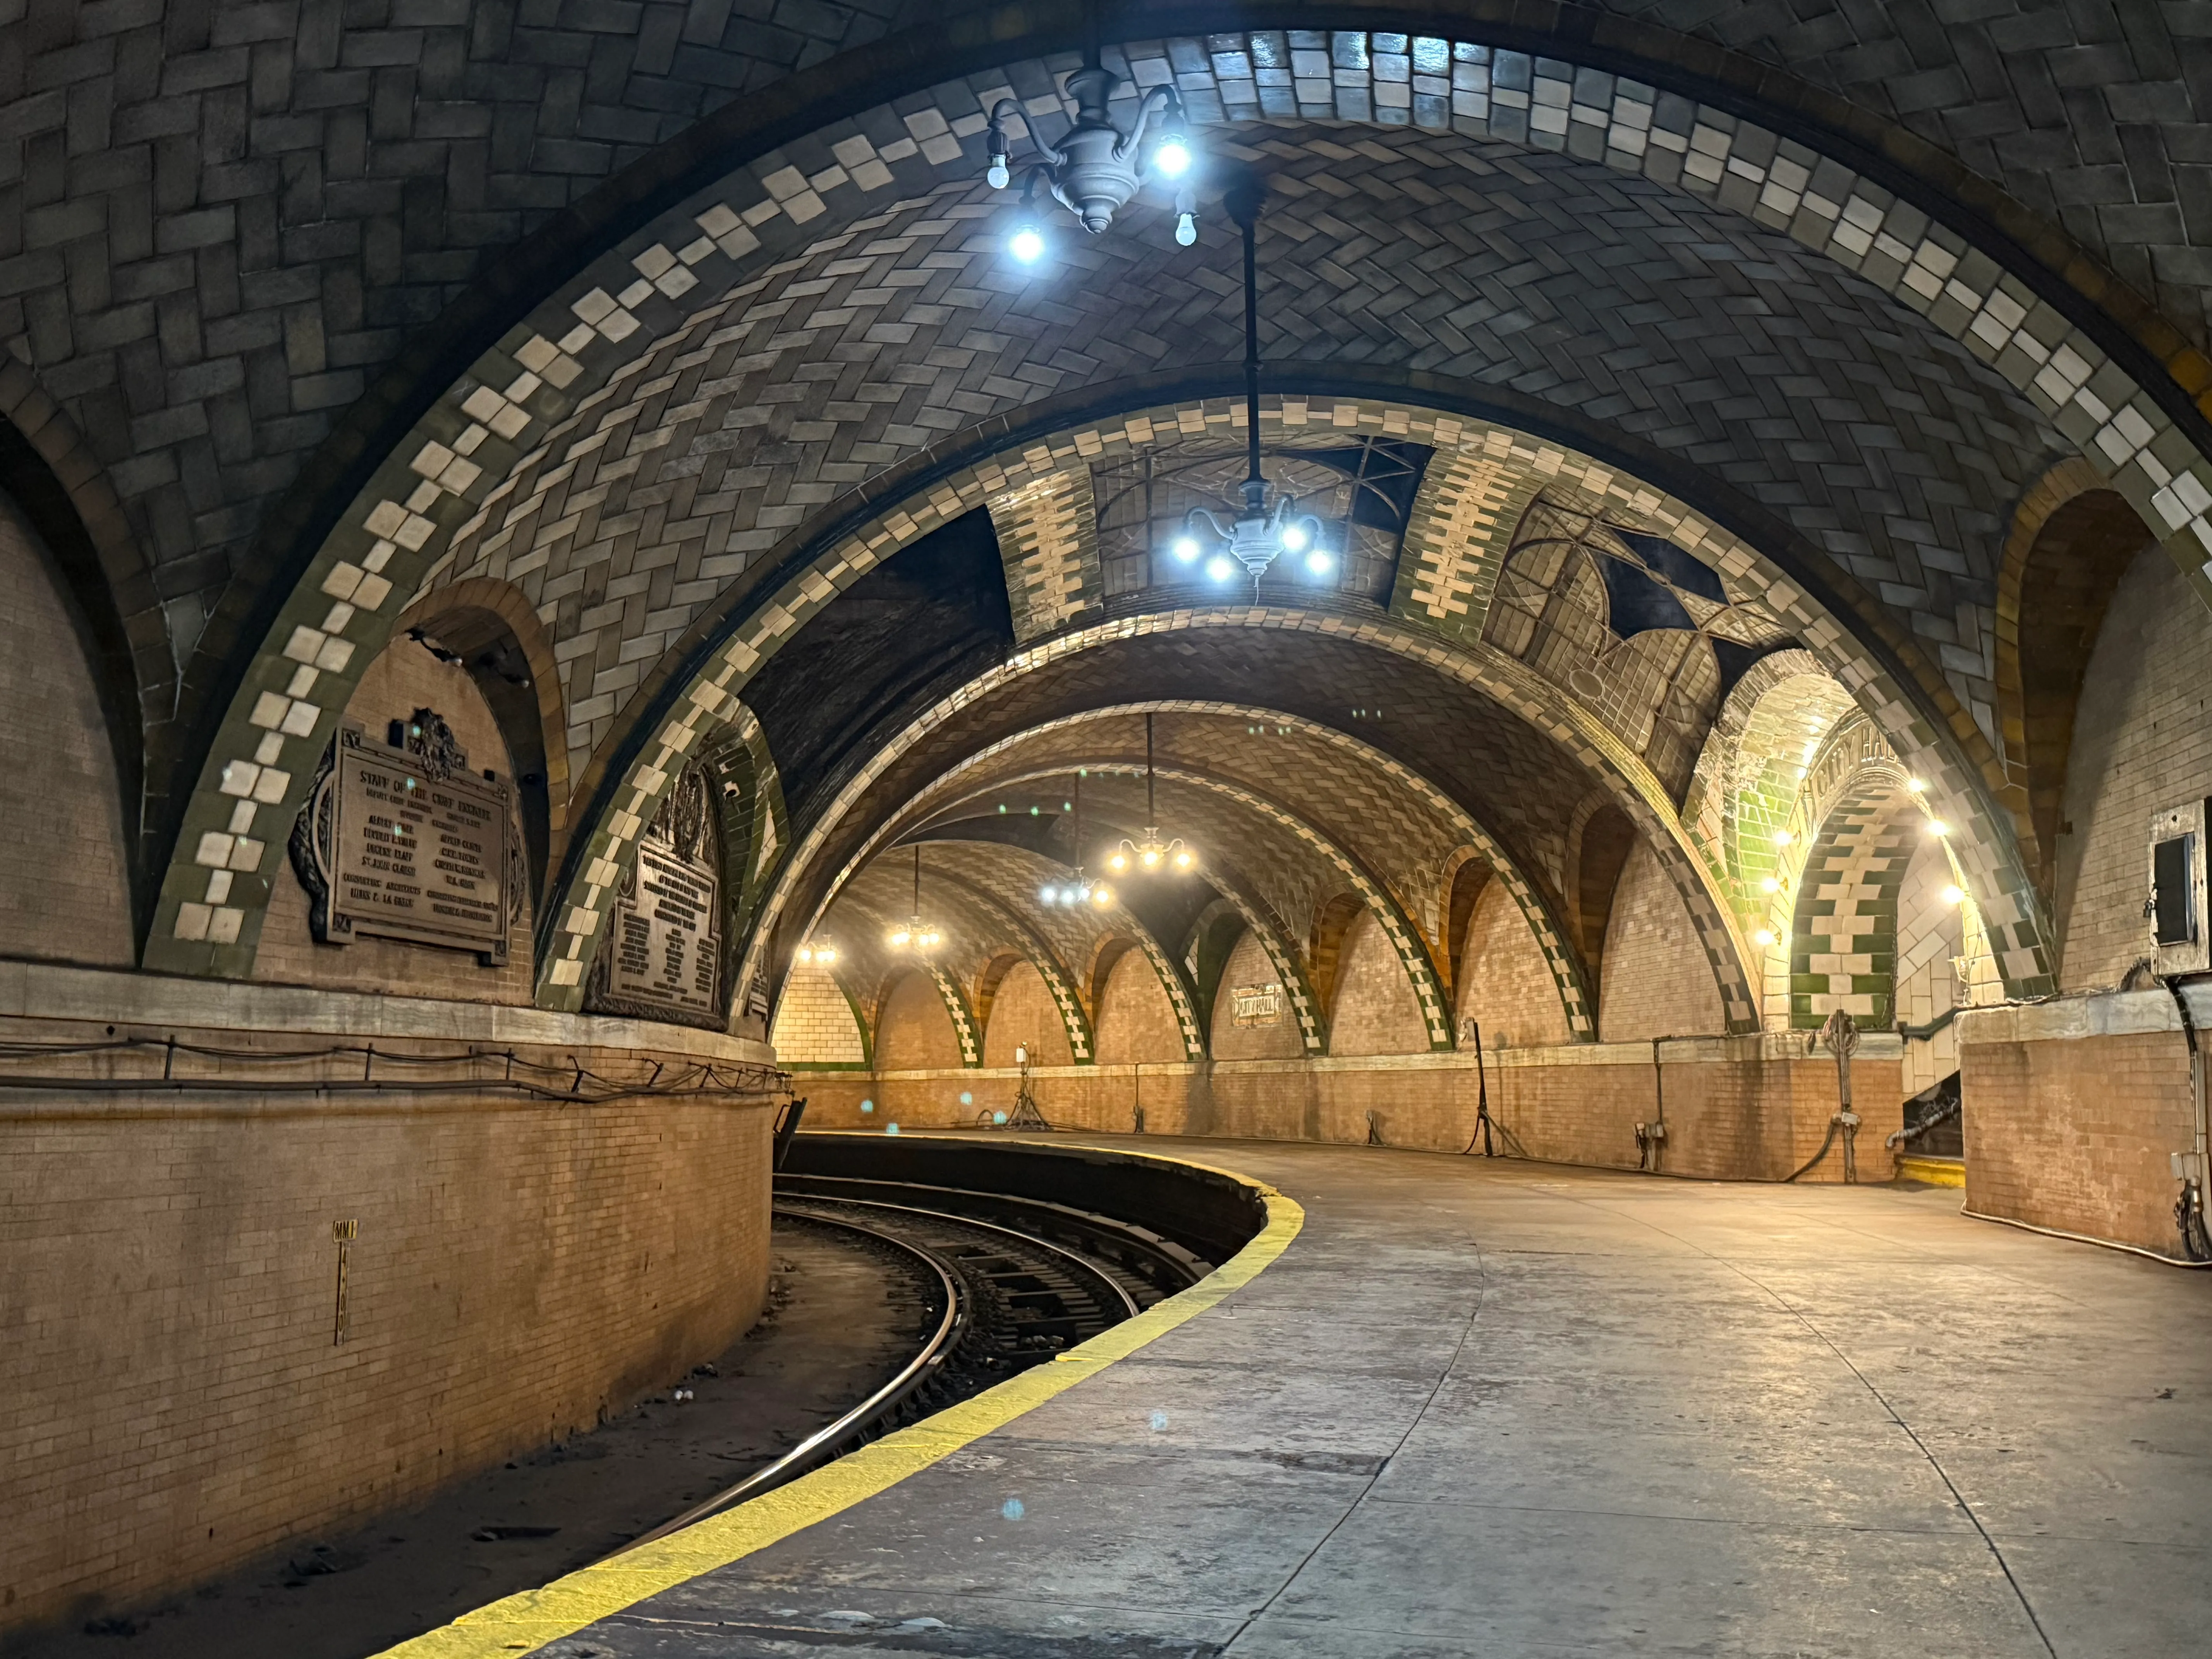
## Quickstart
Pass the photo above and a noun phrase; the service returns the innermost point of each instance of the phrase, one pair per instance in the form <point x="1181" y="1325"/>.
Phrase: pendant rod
<point x="1252" y="344"/>
<point x="1150" y="816"/>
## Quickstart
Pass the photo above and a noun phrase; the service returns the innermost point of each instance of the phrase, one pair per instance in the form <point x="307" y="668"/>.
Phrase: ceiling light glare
<point x="1220" y="568"/>
<point x="1953" y="894"/>
<point x="1152" y="857"/>
<point x="1319" y="563"/>
<point x="1294" y="539"/>
<point x="1186" y="548"/>
<point x="1117" y="864"/>
<point x="1102" y="895"/>
<point x="1026" y="245"/>
<point x="1183" y="860"/>
<point x="1047" y="895"/>
<point x="1770" y="886"/>
<point x="1936" y="827"/>
<point x="1917" y="786"/>
<point x="1764" y="938"/>
<point x="1783" y="838"/>
<point x="1172" y="158"/>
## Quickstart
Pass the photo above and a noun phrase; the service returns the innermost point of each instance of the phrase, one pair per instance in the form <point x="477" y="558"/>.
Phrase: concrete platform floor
<point x="1504" y="1409"/>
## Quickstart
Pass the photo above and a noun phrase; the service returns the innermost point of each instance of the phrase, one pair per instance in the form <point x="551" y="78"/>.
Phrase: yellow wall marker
<point x="526" y="1622"/>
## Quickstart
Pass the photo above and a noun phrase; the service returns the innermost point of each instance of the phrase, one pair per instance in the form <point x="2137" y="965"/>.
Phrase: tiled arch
<point x="420" y="497"/>
<point x="1569" y="975"/>
<point x="1038" y="950"/>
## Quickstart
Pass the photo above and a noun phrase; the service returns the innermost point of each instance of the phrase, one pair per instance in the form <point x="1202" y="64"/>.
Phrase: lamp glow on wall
<point x="915" y="934"/>
<point x="1097" y="168"/>
<point x="1148" y="853"/>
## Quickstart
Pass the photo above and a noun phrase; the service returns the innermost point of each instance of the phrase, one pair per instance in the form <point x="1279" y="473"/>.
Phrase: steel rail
<point x="822" y="1445"/>
<point x="1129" y="1303"/>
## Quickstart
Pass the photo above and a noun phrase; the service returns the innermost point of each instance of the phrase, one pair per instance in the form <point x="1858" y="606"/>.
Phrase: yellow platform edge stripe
<point x="528" y="1621"/>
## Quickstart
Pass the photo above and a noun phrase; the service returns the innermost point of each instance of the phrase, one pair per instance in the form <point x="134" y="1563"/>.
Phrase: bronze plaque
<point x="663" y="954"/>
<point x="408" y="844"/>
<point x="666" y="943"/>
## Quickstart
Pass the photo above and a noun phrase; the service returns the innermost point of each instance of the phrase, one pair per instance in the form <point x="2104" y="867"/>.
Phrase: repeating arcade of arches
<point x="2001" y="317"/>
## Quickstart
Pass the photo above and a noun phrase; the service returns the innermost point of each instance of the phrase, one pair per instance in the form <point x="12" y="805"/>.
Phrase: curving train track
<point x="1003" y="1283"/>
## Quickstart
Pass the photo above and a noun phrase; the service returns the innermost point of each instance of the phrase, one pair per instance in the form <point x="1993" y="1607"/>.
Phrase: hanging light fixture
<point x="820" y="952"/>
<point x="1097" y="168"/>
<point x="1082" y="890"/>
<point x="1150" y="853"/>
<point x="916" y="934"/>
<point x="1260" y="535"/>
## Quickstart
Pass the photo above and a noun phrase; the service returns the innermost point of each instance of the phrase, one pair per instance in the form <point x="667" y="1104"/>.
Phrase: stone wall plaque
<point x="662" y="957"/>
<point x="403" y="841"/>
<point x="1257" y="1004"/>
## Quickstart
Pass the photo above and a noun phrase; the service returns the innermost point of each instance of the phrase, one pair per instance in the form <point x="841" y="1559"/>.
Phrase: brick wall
<point x="66" y="895"/>
<point x="1656" y="981"/>
<point x="1504" y="981"/>
<point x="1023" y="1014"/>
<point x="1377" y="1012"/>
<point x="1248" y="965"/>
<point x="404" y="679"/>
<point x="913" y="1030"/>
<point x="175" y="1402"/>
<point x="2072" y="1110"/>
<point x="2141" y="743"/>
<point x="1737" y="1107"/>
<point x="814" y="1023"/>
<point x="1135" y="1022"/>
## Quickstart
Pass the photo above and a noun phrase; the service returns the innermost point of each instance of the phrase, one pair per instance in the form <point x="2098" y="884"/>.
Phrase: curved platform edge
<point x="528" y="1621"/>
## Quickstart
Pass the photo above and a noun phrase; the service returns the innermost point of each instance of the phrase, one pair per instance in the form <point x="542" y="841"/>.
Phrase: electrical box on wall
<point x="2176" y="906"/>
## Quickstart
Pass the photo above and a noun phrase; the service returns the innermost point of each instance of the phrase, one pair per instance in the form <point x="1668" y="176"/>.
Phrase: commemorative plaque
<point x="399" y="839"/>
<point x="663" y="954"/>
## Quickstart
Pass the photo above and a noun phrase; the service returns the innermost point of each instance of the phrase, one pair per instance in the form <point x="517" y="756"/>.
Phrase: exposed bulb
<point x="1185" y="548"/>
<point x="1220" y="568"/>
<point x="1319" y="563"/>
<point x="999" y="175"/>
<point x="1938" y="828"/>
<point x="1151" y="859"/>
<point x="1763" y="938"/>
<point x="1173" y="159"/>
<point x="1027" y="245"/>
<point x="1183" y="860"/>
<point x="1117" y="864"/>
<point x="1102" y="895"/>
<point x="1047" y="895"/>
<point x="1186" y="230"/>
<point x="1770" y="886"/>
<point x="1953" y="894"/>
<point x="1294" y="539"/>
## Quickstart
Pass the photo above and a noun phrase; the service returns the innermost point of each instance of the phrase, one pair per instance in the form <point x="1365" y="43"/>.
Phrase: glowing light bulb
<point x="1917" y="786"/>
<point x="806" y="955"/>
<point x="1027" y="245"/>
<point x="1953" y="894"/>
<point x="999" y="176"/>
<point x="1319" y="563"/>
<point x="1151" y="858"/>
<point x="1937" y="827"/>
<point x="1183" y="860"/>
<point x="1185" y="548"/>
<point x="1173" y="157"/>
<point x="1783" y="838"/>
<point x="1102" y="895"/>
<point x="1186" y="228"/>
<point x="1763" y="938"/>
<point x="1117" y="864"/>
<point x="1770" y="886"/>
<point x="1220" y="568"/>
<point x="1294" y="539"/>
<point x="902" y="937"/>
<point x="1047" y="895"/>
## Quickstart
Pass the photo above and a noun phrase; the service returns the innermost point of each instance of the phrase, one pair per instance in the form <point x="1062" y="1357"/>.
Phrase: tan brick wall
<point x="2141" y="742"/>
<point x="1249" y="964"/>
<point x="1736" y="1108"/>
<point x="175" y="1402"/>
<point x="1505" y="984"/>
<point x="65" y="895"/>
<point x="1656" y="982"/>
<point x="1377" y="1012"/>
<point x="1135" y="1020"/>
<point x="814" y="1023"/>
<point x="913" y="1029"/>
<point x="1023" y="1014"/>
<point x="2072" y="1128"/>
<point x="404" y="678"/>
